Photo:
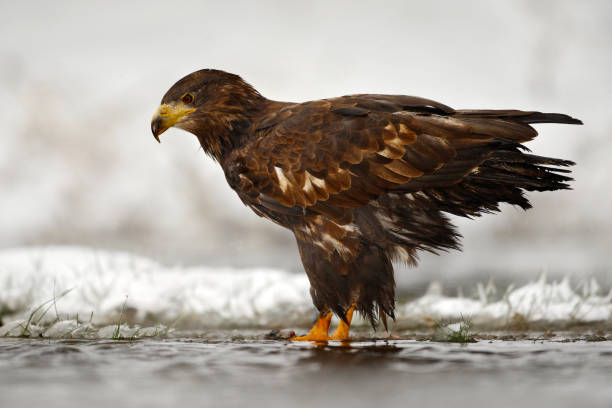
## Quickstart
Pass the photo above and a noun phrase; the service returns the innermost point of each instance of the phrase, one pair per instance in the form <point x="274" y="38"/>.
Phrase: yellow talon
<point x="318" y="331"/>
<point x="342" y="331"/>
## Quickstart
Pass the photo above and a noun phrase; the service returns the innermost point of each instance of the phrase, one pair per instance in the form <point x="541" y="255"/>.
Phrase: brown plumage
<point x="362" y="180"/>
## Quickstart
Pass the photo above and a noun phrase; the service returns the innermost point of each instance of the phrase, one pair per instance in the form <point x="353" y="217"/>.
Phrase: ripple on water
<point x="273" y="373"/>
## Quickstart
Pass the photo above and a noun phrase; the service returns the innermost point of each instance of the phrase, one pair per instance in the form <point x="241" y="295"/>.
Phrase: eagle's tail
<point x="503" y="178"/>
<point x="517" y="170"/>
<point x="509" y="168"/>
<point x="419" y="221"/>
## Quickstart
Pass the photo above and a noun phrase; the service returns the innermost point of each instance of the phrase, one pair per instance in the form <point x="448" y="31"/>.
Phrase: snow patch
<point x="536" y="301"/>
<point x="104" y="283"/>
<point x="107" y="287"/>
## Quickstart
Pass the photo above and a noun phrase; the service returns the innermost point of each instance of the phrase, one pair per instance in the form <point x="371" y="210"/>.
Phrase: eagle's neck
<point x="223" y="134"/>
<point x="227" y="126"/>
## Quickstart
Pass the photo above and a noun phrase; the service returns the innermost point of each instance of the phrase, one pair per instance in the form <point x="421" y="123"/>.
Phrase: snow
<point x="83" y="292"/>
<point x="536" y="301"/>
<point x="101" y="282"/>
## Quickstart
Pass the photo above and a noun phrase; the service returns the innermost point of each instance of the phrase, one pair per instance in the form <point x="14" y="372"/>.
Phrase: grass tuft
<point x="34" y="319"/>
<point x="459" y="332"/>
<point x="117" y="332"/>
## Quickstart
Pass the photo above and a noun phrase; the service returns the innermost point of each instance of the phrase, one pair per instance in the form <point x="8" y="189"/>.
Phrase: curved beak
<point x="167" y="116"/>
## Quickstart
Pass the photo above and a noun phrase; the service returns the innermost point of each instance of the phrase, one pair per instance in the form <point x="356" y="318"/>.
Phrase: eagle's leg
<point x="342" y="331"/>
<point x="319" y="330"/>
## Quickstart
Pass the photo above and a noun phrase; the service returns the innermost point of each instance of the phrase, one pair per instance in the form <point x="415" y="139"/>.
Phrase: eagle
<point x="361" y="180"/>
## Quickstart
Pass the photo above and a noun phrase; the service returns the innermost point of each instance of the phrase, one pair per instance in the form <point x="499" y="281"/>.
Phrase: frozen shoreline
<point x="105" y="286"/>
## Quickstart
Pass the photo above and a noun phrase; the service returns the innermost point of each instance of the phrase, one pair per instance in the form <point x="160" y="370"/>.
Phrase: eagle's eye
<point x="187" y="98"/>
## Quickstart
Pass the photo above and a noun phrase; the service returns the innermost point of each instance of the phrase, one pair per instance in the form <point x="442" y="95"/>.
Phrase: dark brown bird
<point x="361" y="180"/>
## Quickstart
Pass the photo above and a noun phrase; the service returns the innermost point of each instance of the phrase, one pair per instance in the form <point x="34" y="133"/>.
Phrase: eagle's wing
<point x="332" y="155"/>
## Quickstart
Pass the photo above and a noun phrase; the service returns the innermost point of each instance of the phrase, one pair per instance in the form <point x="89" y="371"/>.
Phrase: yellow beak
<point x="167" y="116"/>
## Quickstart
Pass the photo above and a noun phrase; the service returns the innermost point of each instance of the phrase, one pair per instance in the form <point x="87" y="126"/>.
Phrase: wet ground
<point x="219" y="372"/>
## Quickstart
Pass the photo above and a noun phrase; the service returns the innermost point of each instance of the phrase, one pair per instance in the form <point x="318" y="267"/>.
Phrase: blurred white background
<point x="79" y="82"/>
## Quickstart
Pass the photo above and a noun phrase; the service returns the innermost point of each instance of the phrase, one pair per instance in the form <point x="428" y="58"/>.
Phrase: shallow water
<point x="225" y="373"/>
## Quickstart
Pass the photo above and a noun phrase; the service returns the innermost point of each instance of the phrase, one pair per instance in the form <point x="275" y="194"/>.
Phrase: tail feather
<point x="526" y="117"/>
<point x="539" y="117"/>
<point x="418" y="220"/>
<point x="513" y="157"/>
<point x="524" y="171"/>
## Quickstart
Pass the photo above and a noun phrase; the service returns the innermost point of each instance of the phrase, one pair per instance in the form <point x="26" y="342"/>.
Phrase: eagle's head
<point x="209" y="103"/>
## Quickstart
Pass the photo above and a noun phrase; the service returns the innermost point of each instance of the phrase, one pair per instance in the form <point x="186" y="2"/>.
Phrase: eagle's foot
<point x="342" y="331"/>
<point x="321" y="327"/>
<point x="319" y="330"/>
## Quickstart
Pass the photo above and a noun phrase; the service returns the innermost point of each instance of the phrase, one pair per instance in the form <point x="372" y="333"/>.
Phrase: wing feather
<point x="349" y="151"/>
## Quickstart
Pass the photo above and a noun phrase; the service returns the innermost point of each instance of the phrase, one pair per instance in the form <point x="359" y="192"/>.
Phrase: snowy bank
<point x="65" y="289"/>
<point x="104" y="283"/>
